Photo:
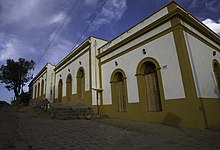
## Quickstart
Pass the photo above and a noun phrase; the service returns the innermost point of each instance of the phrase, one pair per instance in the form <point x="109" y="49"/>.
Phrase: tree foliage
<point x="14" y="74"/>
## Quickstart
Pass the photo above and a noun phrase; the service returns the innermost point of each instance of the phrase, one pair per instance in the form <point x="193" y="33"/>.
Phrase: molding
<point x="138" y="45"/>
<point x="62" y="67"/>
<point x="144" y="30"/>
<point x="135" y="25"/>
<point x="187" y="30"/>
<point x="39" y="75"/>
<point x="73" y="53"/>
<point x="171" y="29"/>
<point x="176" y="13"/>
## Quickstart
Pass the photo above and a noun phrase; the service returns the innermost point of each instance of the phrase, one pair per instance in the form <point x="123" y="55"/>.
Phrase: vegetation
<point x="14" y="74"/>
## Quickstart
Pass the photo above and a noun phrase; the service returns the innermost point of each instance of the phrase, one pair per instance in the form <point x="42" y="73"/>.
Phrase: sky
<point x="47" y="30"/>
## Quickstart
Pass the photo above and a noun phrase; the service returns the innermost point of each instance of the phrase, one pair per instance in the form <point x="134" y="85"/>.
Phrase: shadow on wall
<point x="172" y="119"/>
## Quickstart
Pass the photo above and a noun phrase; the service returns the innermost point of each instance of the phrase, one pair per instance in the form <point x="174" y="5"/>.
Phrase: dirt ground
<point x="27" y="128"/>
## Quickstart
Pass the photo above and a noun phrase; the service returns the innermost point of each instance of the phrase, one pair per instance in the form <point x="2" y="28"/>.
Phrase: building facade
<point x="165" y="69"/>
<point x="42" y="86"/>
<point x="77" y="75"/>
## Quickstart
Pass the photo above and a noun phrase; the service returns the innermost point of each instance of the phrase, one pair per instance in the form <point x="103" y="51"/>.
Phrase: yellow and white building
<point x="164" y="69"/>
<point x="76" y="76"/>
<point x="42" y="86"/>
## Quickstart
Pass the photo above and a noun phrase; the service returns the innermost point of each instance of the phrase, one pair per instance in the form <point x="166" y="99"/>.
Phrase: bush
<point x="24" y="98"/>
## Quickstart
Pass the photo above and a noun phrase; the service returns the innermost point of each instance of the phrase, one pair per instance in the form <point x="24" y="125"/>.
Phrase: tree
<point x="14" y="74"/>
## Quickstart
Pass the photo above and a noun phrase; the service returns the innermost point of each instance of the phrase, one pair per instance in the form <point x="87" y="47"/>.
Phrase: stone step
<point x="69" y="111"/>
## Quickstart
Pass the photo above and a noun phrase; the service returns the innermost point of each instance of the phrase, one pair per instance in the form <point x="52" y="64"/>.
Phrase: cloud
<point x="7" y="47"/>
<point x="211" y="6"/>
<point x="14" y="11"/>
<point x="213" y="25"/>
<point x="58" y="51"/>
<point x="11" y="47"/>
<point x="111" y="12"/>
<point x="55" y="54"/>
<point x="56" y="18"/>
<point x="31" y="13"/>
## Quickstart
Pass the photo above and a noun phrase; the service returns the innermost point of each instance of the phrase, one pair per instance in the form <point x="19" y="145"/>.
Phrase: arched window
<point x="80" y="83"/>
<point x="60" y="90"/>
<point x="216" y="69"/>
<point x="69" y="87"/>
<point x="38" y="91"/>
<point x="42" y="89"/>
<point x="148" y="84"/>
<point x="119" y="90"/>
<point x="35" y="92"/>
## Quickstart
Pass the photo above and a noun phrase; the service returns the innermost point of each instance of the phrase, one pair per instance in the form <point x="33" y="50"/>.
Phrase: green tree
<point x="14" y="74"/>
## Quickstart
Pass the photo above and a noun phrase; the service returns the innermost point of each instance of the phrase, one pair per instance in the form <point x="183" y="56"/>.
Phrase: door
<point x="152" y="88"/>
<point x="60" y="91"/>
<point x="121" y="93"/>
<point x="69" y="88"/>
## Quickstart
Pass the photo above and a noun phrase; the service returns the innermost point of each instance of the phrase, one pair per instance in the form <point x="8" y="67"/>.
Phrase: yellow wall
<point x="212" y="111"/>
<point x="177" y="112"/>
<point x="87" y="99"/>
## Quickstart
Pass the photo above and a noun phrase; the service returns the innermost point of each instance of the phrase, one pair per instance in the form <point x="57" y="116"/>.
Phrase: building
<point x="76" y="76"/>
<point x="164" y="69"/>
<point x="42" y="86"/>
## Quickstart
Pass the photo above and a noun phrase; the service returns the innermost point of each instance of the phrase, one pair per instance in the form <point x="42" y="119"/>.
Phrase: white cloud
<point x="7" y="48"/>
<point x="58" y="51"/>
<point x="8" y="52"/>
<point x="56" y="18"/>
<point x="112" y="11"/>
<point x="14" y="11"/>
<point x="13" y="48"/>
<point x="215" y="26"/>
<point x="31" y="13"/>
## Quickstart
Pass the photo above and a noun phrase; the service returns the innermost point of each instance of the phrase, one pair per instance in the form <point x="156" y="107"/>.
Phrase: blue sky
<point x="28" y="26"/>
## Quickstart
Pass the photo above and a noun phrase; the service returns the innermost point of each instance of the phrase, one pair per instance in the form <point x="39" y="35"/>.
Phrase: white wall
<point x="164" y="51"/>
<point x="136" y="28"/>
<point x="201" y="58"/>
<point x="39" y="80"/>
<point x="201" y="35"/>
<point x="95" y="45"/>
<point x="85" y="63"/>
<point x="49" y="82"/>
<point x="74" y="66"/>
<point x="139" y="39"/>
